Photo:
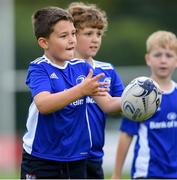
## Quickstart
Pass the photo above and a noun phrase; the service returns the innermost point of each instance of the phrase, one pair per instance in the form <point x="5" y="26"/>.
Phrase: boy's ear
<point x="147" y="59"/>
<point x="43" y="43"/>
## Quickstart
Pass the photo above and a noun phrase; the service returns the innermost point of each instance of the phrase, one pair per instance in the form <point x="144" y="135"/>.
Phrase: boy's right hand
<point x="92" y="87"/>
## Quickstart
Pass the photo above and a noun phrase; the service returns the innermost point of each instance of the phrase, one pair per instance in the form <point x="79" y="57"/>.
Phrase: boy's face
<point x="88" y="42"/>
<point x="60" y="45"/>
<point x="162" y="61"/>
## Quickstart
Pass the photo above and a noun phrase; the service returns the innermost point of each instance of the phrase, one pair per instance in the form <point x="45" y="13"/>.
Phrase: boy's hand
<point x="91" y="87"/>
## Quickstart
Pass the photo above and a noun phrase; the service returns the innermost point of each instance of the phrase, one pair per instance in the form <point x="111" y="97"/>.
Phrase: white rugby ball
<point x="141" y="99"/>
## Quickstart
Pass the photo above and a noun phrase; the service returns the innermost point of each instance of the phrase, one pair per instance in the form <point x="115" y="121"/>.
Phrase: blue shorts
<point x="36" y="168"/>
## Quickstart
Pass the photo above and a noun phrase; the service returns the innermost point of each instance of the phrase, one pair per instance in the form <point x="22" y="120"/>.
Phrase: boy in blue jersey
<point x="58" y="136"/>
<point x="155" y="151"/>
<point x="91" y="23"/>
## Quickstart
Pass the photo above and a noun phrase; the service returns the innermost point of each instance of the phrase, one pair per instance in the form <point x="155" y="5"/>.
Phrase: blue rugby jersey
<point x="97" y="117"/>
<point x="155" y="152"/>
<point x="63" y="135"/>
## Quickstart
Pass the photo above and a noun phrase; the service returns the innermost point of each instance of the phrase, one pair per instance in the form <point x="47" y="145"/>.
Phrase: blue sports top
<point x="155" y="152"/>
<point x="63" y="135"/>
<point x="96" y="116"/>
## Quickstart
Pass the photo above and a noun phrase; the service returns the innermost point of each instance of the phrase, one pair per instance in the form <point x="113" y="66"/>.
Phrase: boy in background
<point x="155" y="151"/>
<point x="91" y="23"/>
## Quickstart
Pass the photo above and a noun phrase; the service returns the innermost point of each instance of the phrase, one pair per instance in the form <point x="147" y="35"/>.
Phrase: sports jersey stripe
<point x="31" y="128"/>
<point x="174" y="86"/>
<point x="102" y="65"/>
<point x="143" y="157"/>
<point x="76" y="62"/>
<point x="40" y="61"/>
<point x="89" y="130"/>
<point x="77" y="59"/>
<point x="44" y="60"/>
<point x="106" y="68"/>
<point x="37" y="60"/>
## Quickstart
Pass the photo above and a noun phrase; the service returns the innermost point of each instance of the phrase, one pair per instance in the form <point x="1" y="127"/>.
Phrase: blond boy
<point x="155" y="151"/>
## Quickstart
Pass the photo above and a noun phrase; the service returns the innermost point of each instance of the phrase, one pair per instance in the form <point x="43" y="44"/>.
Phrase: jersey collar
<point x="55" y="65"/>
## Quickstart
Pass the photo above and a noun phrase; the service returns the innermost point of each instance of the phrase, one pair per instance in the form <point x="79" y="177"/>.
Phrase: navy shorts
<point x="36" y="168"/>
<point x="94" y="170"/>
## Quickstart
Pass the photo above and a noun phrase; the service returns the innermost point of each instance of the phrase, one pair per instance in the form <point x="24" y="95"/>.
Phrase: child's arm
<point x="122" y="150"/>
<point x="48" y="103"/>
<point x="108" y="104"/>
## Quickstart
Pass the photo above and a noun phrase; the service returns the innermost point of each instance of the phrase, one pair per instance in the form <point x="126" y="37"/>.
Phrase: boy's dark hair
<point x="44" y="19"/>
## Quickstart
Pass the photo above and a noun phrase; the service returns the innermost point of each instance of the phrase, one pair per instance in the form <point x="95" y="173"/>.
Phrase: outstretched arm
<point x="121" y="153"/>
<point x="48" y="103"/>
<point x="108" y="104"/>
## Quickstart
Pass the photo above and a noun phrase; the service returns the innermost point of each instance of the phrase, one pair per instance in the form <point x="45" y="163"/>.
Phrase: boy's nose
<point x="163" y="58"/>
<point x="72" y="39"/>
<point x="95" y="38"/>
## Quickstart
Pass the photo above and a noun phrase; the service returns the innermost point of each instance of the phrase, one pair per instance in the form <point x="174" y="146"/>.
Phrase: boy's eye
<point x="99" y="34"/>
<point x="88" y="33"/>
<point x="157" y="54"/>
<point x="73" y="33"/>
<point x="62" y="35"/>
<point x="168" y="55"/>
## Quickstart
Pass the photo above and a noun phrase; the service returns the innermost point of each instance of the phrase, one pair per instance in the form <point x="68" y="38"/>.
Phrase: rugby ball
<point x="140" y="99"/>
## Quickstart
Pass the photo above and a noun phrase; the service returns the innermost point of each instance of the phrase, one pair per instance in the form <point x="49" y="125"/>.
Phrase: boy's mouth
<point x="70" y="48"/>
<point x="93" y="47"/>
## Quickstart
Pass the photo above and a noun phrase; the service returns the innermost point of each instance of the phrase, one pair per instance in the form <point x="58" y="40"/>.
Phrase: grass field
<point x="6" y="175"/>
<point x="10" y="175"/>
<point x="125" y="176"/>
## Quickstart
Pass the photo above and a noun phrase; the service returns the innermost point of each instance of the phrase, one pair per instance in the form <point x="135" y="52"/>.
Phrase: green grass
<point x="15" y="175"/>
<point x="9" y="175"/>
<point x="124" y="176"/>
